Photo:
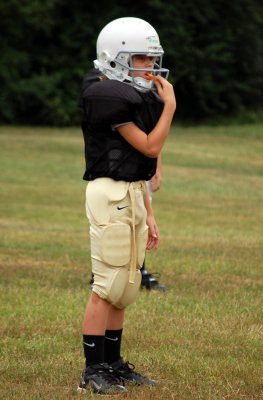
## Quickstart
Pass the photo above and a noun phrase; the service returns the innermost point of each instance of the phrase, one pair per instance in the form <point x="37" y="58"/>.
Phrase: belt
<point x="132" y="187"/>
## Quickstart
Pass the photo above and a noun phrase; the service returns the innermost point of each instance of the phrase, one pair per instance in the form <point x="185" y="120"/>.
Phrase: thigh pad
<point x="111" y="244"/>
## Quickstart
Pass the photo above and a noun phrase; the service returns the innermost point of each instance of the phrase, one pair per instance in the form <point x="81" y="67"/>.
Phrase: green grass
<point x="202" y="339"/>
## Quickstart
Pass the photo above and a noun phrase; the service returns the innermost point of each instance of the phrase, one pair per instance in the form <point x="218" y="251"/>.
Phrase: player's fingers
<point x="160" y="78"/>
<point x="153" y="243"/>
<point x="154" y="239"/>
<point x="157" y="81"/>
<point x="156" y="186"/>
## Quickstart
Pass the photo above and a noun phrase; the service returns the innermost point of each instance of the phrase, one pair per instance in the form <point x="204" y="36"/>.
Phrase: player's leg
<point x="113" y="355"/>
<point x="150" y="280"/>
<point x="97" y="374"/>
<point x="112" y="351"/>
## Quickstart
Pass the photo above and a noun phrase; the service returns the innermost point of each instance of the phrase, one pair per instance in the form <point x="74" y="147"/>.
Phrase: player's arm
<point x="157" y="178"/>
<point x="151" y="145"/>
<point x="153" y="235"/>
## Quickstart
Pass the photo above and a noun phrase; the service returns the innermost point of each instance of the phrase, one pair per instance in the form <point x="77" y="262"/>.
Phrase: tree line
<point x="214" y="51"/>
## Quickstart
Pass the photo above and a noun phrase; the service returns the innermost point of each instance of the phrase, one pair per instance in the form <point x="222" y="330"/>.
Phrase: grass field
<point x="203" y="339"/>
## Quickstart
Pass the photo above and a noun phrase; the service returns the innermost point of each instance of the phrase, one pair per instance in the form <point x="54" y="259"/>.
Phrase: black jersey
<point x="107" y="103"/>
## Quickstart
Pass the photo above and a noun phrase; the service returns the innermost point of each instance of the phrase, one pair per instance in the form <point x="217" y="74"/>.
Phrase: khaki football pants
<point x="118" y="237"/>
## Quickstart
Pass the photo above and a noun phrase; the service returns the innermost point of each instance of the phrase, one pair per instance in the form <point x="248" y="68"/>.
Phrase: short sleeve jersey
<point x="108" y="103"/>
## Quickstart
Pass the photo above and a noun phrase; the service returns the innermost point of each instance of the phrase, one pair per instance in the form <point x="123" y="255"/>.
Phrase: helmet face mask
<point x="125" y="60"/>
<point x="122" y="39"/>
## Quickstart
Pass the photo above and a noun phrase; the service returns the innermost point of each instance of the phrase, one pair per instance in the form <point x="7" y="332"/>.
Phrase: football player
<point x="128" y="106"/>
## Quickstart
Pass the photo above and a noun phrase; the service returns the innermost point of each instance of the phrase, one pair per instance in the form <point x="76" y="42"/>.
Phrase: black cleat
<point x="150" y="282"/>
<point x="125" y="372"/>
<point x="102" y="380"/>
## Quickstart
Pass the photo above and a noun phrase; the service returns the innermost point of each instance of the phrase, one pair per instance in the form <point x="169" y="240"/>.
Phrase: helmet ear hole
<point x="113" y="64"/>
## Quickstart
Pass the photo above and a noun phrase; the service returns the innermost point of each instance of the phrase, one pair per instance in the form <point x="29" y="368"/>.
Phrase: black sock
<point x="93" y="349"/>
<point x="112" y="346"/>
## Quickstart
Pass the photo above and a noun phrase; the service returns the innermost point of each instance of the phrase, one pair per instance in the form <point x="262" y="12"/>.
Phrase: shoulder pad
<point x="113" y="88"/>
<point x="110" y="102"/>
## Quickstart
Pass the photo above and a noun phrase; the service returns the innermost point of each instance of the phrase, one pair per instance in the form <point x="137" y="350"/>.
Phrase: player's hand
<point x="153" y="234"/>
<point x="156" y="181"/>
<point x="165" y="90"/>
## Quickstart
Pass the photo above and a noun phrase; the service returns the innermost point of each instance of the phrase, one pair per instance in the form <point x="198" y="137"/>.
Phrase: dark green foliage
<point x="213" y="49"/>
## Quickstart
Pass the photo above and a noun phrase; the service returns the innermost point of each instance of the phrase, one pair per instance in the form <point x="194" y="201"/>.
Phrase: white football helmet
<point x="119" y="41"/>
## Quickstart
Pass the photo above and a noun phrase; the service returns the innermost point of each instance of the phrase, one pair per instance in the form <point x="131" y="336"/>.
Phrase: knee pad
<point x="122" y="293"/>
<point x="130" y="292"/>
<point x="112" y="284"/>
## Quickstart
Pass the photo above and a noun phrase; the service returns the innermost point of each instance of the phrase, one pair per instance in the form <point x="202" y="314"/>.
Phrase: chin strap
<point x="142" y="84"/>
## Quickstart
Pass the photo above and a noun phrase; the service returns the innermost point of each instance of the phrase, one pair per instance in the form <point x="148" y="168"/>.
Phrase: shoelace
<point x="107" y="374"/>
<point x="129" y="367"/>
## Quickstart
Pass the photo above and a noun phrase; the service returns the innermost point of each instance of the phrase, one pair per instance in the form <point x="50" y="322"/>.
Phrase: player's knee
<point x="130" y="292"/>
<point x="117" y="290"/>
